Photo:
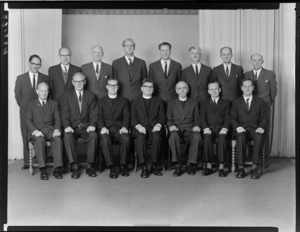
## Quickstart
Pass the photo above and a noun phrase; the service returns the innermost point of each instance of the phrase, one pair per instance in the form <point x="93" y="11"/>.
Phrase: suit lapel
<point x="142" y="106"/>
<point x="76" y="101"/>
<point x="134" y="67"/>
<point x="152" y="103"/>
<point x="101" y="71"/>
<point x="200" y="75"/>
<point x="27" y="79"/>
<point x="39" y="108"/>
<point x="171" y="66"/>
<point x="260" y="77"/>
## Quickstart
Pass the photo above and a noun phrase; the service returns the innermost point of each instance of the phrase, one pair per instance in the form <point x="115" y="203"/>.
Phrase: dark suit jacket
<point x="165" y="87"/>
<point x="197" y="84"/>
<point x="56" y="81"/>
<point x="184" y="118"/>
<point x="44" y="119"/>
<point x="24" y="91"/>
<point x="231" y="89"/>
<point x="109" y="116"/>
<point x="266" y="85"/>
<point x="98" y="87"/>
<point x="257" y="117"/>
<point x="129" y="88"/>
<point x="215" y="116"/>
<point x="70" y="113"/>
<point x="156" y="114"/>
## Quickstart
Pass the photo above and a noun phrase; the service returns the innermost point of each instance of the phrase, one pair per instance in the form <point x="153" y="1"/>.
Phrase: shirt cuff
<point x="224" y="129"/>
<point x="137" y="126"/>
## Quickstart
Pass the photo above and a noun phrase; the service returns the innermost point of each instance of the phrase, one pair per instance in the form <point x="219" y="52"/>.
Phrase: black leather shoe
<point x="207" y="172"/>
<point x="241" y="173"/>
<point x="24" y="167"/>
<point x="57" y="173"/>
<point x="222" y="173"/>
<point x="124" y="171"/>
<point x="113" y="173"/>
<point x="91" y="172"/>
<point x="191" y="170"/>
<point x="144" y="173"/>
<point x="156" y="171"/>
<point x="75" y="173"/>
<point x="254" y="174"/>
<point x="177" y="172"/>
<point x="44" y="175"/>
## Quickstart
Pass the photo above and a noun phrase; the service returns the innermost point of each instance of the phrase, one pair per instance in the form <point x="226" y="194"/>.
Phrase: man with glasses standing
<point x="97" y="72"/>
<point x="60" y="75"/>
<point x="25" y="91"/>
<point x="79" y="114"/>
<point x="130" y="71"/>
<point x="148" y="119"/>
<point x="113" y="124"/>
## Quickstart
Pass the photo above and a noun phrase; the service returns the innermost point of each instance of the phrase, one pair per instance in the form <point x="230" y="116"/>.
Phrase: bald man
<point x="97" y="72"/>
<point x="60" y="75"/>
<point x="265" y="84"/>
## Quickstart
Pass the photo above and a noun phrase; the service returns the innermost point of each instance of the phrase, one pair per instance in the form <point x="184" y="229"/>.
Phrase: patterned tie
<point x="197" y="72"/>
<point x="33" y="82"/>
<point x="166" y="69"/>
<point x="248" y="104"/>
<point x="227" y="72"/>
<point x="65" y="74"/>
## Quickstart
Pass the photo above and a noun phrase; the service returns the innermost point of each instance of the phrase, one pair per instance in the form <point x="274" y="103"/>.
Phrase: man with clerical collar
<point x="25" y="91"/>
<point x="184" y="124"/>
<point x="249" y="121"/>
<point x="43" y="121"/>
<point x="229" y="75"/>
<point x="197" y="75"/>
<point x="215" y="121"/>
<point x="97" y="72"/>
<point x="113" y="125"/>
<point x="130" y="71"/>
<point x="60" y="75"/>
<point x="165" y="73"/>
<point x="79" y="119"/>
<point x="148" y="119"/>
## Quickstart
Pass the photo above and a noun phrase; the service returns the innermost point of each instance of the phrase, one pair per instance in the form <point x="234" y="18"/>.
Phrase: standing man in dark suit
<point x="249" y="121"/>
<point x="184" y="124"/>
<point x="113" y="124"/>
<point x="266" y="88"/>
<point x="229" y="75"/>
<point x="148" y="119"/>
<point x="197" y="76"/>
<point x="215" y="121"/>
<point x="130" y="71"/>
<point x="43" y="122"/>
<point x="25" y="91"/>
<point x="166" y="73"/>
<point x="97" y="72"/>
<point x="60" y="75"/>
<point x="79" y="119"/>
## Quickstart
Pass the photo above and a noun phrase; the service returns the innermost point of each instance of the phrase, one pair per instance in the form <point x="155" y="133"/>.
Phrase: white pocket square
<point x="267" y="81"/>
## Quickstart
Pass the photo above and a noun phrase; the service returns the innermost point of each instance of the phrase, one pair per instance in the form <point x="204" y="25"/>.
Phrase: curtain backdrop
<point x="30" y="32"/>
<point x="269" y="32"/>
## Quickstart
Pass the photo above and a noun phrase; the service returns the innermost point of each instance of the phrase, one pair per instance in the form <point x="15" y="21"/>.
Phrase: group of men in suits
<point x="115" y="92"/>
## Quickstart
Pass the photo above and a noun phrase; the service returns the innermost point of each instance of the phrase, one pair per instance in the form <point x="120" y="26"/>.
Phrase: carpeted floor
<point x="156" y="201"/>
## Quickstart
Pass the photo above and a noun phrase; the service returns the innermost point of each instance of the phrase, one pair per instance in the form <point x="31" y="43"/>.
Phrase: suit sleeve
<point x="134" y="118"/>
<point x="170" y="116"/>
<point x="234" y="116"/>
<point x="57" y="121"/>
<point x="273" y="84"/>
<point x="162" y="113"/>
<point x="93" y="111"/>
<point x="101" y="123"/>
<point x="203" y="118"/>
<point x="29" y="117"/>
<point x="18" y="92"/>
<point x="126" y="115"/>
<point x="65" y="113"/>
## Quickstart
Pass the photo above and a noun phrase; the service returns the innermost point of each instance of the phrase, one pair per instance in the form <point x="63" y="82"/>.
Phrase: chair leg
<point x="30" y="158"/>
<point x="263" y="159"/>
<point x="233" y="144"/>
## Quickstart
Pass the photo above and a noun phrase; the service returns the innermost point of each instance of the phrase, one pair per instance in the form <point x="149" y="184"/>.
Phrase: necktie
<point x="166" y="69"/>
<point x="33" y="82"/>
<point x="130" y="61"/>
<point x="255" y="76"/>
<point x="197" y="70"/>
<point x="248" y="104"/>
<point x="43" y="103"/>
<point x="215" y="101"/>
<point x="227" y="72"/>
<point x="65" y="74"/>
<point x="79" y="97"/>
<point x="97" y="69"/>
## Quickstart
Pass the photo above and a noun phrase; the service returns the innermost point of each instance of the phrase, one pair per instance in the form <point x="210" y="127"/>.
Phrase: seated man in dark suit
<point x="148" y="118"/>
<point x="184" y="124"/>
<point x="43" y="122"/>
<point x="215" y="121"/>
<point x="249" y="121"/>
<point x="79" y="119"/>
<point x="113" y="124"/>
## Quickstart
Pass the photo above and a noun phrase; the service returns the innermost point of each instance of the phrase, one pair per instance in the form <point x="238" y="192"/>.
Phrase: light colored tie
<point x="65" y="74"/>
<point x="130" y="61"/>
<point x="80" y="101"/>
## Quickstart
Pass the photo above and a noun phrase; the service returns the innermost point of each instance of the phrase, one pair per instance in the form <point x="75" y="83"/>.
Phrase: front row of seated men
<point x="81" y="118"/>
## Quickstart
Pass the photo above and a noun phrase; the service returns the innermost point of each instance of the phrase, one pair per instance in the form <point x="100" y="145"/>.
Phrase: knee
<point x="104" y="138"/>
<point x="156" y="136"/>
<point x="207" y="137"/>
<point x="68" y="136"/>
<point x="173" y="136"/>
<point x="125" y="138"/>
<point x="258" y="137"/>
<point x="40" y="140"/>
<point x="57" y="139"/>
<point x="240" y="137"/>
<point x="93" y="135"/>
<point x="197" y="136"/>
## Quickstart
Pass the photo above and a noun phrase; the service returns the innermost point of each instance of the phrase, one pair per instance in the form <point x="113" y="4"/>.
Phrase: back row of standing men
<point x="130" y="71"/>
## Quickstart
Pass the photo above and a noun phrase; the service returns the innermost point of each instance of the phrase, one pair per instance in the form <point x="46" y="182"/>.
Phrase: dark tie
<point x="130" y="61"/>
<point x="215" y="101"/>
<point x="65" y="74"/>
<point x="33" y="82"/>
<point x="43" y="103"/>
<point x="97" y="69"/>
<point x="197" y="70"/>
<point x="255" y="76"/>
<point x="227" y="72"/>
<point x="79" y="97"/>
<point x="166" y="69"/>
<point x="248" y="104"/>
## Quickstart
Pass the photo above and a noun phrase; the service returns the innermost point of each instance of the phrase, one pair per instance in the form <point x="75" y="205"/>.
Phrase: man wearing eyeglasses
<point x="60" y="75"/>
<point x="79" y="114"/>
<point x="113" y="125"/>
<point x="184" y="124"/>
<point x="97" y="72"/>
<point x="25" y="91"/>
<point x="148" y="119"/>
<point x="130" y="71"/>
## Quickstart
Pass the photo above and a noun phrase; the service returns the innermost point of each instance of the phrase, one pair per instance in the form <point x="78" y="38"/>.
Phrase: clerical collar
<point x="183" y="99"/>
<point x="112" y="96"/>
<point x="147" y="97"/>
